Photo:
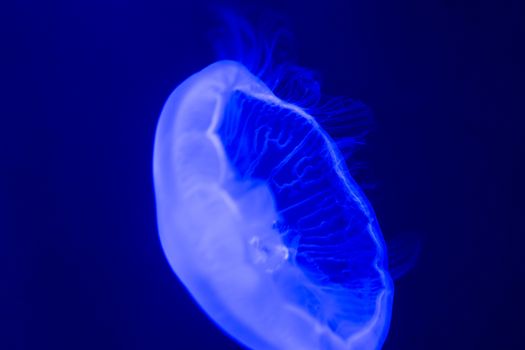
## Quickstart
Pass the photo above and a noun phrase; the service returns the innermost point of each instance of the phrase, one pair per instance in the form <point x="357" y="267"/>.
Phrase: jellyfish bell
<point x="261" y="221"/>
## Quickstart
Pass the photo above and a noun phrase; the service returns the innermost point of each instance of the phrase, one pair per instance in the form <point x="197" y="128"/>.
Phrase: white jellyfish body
<point x="261" y="221"/>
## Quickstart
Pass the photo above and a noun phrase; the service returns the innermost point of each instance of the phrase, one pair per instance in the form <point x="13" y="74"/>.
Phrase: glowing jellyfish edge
<point x="206" y="222"/>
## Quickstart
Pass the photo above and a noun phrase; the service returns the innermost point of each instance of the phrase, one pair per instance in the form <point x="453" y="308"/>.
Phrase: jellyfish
<point x="261" y="220"/>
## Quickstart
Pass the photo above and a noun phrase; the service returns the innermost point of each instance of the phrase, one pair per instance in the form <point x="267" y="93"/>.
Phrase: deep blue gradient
<point x="82" y="87"/>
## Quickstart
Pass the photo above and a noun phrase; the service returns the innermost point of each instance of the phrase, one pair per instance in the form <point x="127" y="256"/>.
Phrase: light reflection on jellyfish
<point x="261" y="220"/>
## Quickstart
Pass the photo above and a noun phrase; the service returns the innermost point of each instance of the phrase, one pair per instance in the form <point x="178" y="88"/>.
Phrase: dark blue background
<point x="82" y="87"/>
